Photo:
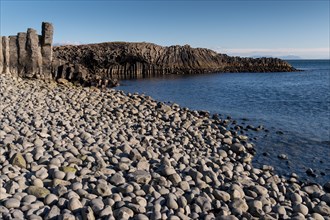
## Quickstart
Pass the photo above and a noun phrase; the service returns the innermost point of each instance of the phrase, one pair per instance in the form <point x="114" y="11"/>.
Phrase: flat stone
<point x="312" y="189"/>
<point x="239" y="206"/>
<point x="103" y="189"/>
<point x="97" y="205"/>
<point x="171" y="202"/>
<point x="53" y="213"/>
<point x="301" y="209"/>
<point x="317" y="216"/>
<point x="50" y="199"/>
<point x="74" y="204"/>
<point x="175" y="178"/>
<point x="18" y="214"/>
<point x="67" y="169"/>
<point x="296" y="198"/>
<point x="221" y="195"/>
<point x="18" y="160"/>
<point x="88" y="214"/>
<point x="123" y="212"/>
<point x="12" y="203"/>
<point x="67" y="216"/>
<point x="169" y="171"/>
<point x="42" y="173"/>
<point x="184" y="185"/>
<point x="117" y="179"/>
<point x="141" y="176"/>
<point x="59" y="174"/>
<point x="57" y="182"/>
<point x="322" y="209"/>
<point x="39" y="192"/>
<point x="29" y="199"/>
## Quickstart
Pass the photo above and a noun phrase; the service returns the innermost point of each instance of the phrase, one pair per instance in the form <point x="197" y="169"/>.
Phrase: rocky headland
<point x="122" y="60"/>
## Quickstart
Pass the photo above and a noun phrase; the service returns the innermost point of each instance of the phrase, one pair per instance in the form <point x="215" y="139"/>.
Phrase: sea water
<point x="293" y="107"/>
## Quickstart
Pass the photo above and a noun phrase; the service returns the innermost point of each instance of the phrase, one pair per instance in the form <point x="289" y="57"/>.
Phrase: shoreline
<point x="70" y="151"/>
<point x="295" y="134"/>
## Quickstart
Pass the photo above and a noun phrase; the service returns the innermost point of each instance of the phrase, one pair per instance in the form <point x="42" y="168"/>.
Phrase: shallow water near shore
<point x="293" y="107"/>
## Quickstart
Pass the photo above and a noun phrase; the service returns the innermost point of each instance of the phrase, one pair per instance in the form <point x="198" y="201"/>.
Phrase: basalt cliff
<point x="31" y="55"/>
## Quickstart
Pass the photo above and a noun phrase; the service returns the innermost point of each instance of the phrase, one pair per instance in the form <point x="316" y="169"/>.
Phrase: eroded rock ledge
<point x="122" y="60"/>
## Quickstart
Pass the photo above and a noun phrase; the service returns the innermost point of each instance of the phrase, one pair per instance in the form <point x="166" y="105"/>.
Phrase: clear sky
<point x="245" y="28"/>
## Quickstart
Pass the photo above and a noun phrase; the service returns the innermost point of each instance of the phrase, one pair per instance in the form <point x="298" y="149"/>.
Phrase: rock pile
<point x="80" y="153"/>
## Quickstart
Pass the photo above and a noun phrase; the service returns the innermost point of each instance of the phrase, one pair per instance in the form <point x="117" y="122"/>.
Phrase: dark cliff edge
<point x="105" y="63"/>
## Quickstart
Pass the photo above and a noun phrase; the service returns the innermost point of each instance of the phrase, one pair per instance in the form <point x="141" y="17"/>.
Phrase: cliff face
<point x="121" y="60"/>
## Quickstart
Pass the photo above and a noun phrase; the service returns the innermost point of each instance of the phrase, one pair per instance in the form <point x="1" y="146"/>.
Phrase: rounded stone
<point x="301" y="209"/>
<point x="38" y="183"/>
<point x="51" y="199"/>
<point x="117" y="179"/>
<point x="171" y="203"/>
<point x="296" y="198"/>
<point x="103" y="189"/>
<point x="317" y="216"/>
<point x="39" y="192"/>
<point x="29" y="199"/>
<point x="12" y="203"/>
<point x="74" y="204"/>
<point x="42" y="173"/>
<point x="55" y="161"/>
<point x="59" y="174"/>
<point x="97" y="205"/>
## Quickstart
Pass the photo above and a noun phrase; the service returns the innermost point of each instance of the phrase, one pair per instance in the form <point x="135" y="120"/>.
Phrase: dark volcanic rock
<point x="121" y="60"/>
<point x="13" y="55"/>
<point x="46" y="48"/>
<point x="22" y="55"/>
<point x="5" y="50"/>
<point x="34" y="66"/>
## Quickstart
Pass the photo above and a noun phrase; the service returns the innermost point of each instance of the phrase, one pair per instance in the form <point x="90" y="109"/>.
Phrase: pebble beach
<point x="71" y="152"/>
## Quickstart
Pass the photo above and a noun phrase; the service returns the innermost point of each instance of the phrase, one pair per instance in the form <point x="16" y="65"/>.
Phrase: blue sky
<point x="244" y="28"/>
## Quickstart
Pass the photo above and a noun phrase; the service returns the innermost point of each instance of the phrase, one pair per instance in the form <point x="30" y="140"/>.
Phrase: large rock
<point x="34" y="64"/>
<point x="46" y="48"/>
<point x="22" y="56"/>
<point x="13" y="55"/>
<point x="5" y="50"/>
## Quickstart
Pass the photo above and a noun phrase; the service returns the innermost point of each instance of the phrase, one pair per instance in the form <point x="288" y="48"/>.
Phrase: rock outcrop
<point x="121" y="60"/>
<point x="28" y="54"/>
<point x="32" y="56"/>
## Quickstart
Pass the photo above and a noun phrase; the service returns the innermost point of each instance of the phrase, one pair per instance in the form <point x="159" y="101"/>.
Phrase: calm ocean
<point x="294" y="107"/>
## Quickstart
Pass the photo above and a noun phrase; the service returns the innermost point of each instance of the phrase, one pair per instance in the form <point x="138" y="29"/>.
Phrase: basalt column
<point x="5" y="52"/>
<point x="22" y="56"/>
<point x="46" y="49"/>
<point x="34" y="64"/>
<point x="13" y="56"/>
